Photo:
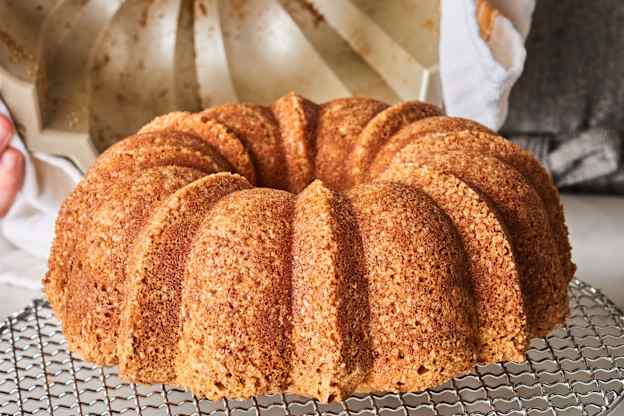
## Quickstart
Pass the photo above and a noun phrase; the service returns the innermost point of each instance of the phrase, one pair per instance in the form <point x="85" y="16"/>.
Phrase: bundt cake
<point x="318" y="249"/>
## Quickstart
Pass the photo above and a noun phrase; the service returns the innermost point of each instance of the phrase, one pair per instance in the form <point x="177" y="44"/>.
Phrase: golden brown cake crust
<point x="422" y="325"/>
<point x="236" y="304"/>
<point x="380" y="129"/>
<point x="297" y="119"/>
<point x="258" y="130"/>
<point x="214" y="133"/>
<point x="114" y="170"/>
<point x="340" y="124"/>
<point x="428" y="244"/>
<point x="490" y="144"/>
<point x="492" y="264"/>
<point x="331" y="346"/>
<point x="411" y="132"/>
<point x="543" y="283"/>
<point x="150" y="326"/>
<point x="103" y="251"/>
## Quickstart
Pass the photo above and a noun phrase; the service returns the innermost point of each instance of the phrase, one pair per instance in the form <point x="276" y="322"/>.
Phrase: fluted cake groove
<point x="323" y="250"/>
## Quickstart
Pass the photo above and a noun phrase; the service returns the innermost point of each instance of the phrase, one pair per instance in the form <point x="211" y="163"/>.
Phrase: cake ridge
<point x="160" y="252"/>
<point x="257" y="128"/>
<point x="328" y="284"/>
<point x="341" y="121"/>
<point x="102" y="252"/>
<point x="406" y="135"/>
<point x="501" y="310"/>
<point x="408" y="331"/>
<point x="297" y="119"/>
<point x="233" y="344"/>
<point x="211" y="131"/>
<point x="77" y="210"/>
<point x="523" y="162"/>
<point x="513" y="197"/>
<point x="380" y="129"/>
<point x="368" y="274"/>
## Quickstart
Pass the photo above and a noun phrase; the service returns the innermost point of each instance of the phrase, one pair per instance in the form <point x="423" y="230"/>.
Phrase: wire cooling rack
<point x="576" y="370"/>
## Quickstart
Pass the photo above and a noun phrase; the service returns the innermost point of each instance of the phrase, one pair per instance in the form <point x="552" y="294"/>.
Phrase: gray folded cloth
<point x="590" y="161"/>
<point x="567" y="106"/>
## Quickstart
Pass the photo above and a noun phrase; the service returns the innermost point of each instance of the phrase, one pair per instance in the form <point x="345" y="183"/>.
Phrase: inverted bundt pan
<point x="81" y="74"/>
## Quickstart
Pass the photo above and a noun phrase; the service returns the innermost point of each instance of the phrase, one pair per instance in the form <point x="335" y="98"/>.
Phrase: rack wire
<point x="576" y="370"/>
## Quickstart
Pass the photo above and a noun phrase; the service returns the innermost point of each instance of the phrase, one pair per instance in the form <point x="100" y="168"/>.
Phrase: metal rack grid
<point x="576" y="370"/>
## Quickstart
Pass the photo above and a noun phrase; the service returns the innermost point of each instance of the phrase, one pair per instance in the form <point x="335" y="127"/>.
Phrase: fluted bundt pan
<point x="350" y="246"/>
<point x="79" y="75"/>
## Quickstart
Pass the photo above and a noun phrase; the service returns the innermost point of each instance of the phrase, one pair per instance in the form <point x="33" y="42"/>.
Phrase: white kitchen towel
<point x="478" y="71"/>
<point x="28" y="229"/>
